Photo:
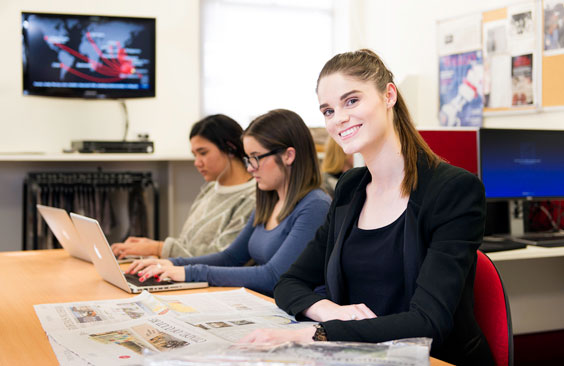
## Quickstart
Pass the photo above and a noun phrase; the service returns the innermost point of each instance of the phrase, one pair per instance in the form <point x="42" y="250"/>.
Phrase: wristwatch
<point x="320" y="334"/>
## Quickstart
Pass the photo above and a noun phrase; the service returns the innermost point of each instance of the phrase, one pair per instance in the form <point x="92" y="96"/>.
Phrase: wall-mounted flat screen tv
<point x="88" y="56"/>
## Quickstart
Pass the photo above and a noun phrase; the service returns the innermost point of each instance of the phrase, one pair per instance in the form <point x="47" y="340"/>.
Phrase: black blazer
<point x="444" y="225"/>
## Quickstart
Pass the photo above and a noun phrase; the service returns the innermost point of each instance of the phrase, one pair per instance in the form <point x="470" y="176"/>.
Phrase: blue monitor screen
<point x="88" y="56"/>
<point x="522" y="163"/>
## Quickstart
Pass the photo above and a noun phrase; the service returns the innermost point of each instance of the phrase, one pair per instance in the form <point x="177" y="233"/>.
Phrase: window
<point x="259" y="55"/>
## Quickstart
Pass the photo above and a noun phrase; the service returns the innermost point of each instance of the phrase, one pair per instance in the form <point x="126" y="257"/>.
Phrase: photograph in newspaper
<point x="128" y="342"/>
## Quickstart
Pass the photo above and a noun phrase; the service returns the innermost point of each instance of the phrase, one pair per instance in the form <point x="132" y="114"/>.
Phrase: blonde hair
<point x="365" y="65"/>
<point x="334" y="159"/>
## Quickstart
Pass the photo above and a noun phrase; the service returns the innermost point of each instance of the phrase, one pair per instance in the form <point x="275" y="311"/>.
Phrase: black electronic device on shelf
<point x="112" y="146"/>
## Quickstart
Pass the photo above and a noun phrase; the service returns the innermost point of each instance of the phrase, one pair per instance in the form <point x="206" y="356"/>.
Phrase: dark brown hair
<point x="223" y="132"/>
<point x="365" y="65"/>
<point x="281" y="129"/>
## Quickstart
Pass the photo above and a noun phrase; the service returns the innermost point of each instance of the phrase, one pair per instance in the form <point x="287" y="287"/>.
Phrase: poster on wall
<point x="459" y="35"/>
<point x="461" y="89"/>
<point x="522" y="80"/>
<point x="522" y="20"/>
<point x="497" y="63"/>
<point x="553" y="26"/>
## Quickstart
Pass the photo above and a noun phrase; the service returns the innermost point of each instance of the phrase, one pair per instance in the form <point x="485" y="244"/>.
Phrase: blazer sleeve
<point x="452" y="228"/>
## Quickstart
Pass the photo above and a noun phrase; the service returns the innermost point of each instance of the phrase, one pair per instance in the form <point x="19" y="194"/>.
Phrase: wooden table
<point x="51" y="276"/>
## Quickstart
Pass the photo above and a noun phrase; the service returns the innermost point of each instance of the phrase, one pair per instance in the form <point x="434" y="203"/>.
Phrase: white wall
<point x="31" y="123"/>
<point x="404" y="33"/>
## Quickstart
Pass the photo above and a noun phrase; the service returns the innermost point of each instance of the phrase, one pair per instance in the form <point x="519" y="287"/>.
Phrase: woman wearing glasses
<point x="224" y="203"/>
<point x="289" y="208"/>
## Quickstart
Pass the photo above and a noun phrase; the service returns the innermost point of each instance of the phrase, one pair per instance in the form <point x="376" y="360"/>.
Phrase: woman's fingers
<point x="138" y="265"/>
<point x="116" y="248"/>
<point x="154" y="270"/>
<point x="174" y="273"/>
<point x="360" y="311"/>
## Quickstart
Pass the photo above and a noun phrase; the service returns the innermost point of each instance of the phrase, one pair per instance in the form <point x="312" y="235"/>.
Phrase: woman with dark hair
<point x="289" y="208"/>
<point x="223" y="205"/>
<point x="397" y="252"/>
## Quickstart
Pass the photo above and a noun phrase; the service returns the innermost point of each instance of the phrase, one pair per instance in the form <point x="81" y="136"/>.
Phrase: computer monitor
<point x="458" y="147"/>
<point x="88" y="56"/>
<point x="522" y="164"/>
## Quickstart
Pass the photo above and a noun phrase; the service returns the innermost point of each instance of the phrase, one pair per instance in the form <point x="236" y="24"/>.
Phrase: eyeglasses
<point x="253" y="161"/>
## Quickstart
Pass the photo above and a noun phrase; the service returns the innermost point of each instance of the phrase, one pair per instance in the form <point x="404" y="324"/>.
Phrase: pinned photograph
<point x="554" y="25"/>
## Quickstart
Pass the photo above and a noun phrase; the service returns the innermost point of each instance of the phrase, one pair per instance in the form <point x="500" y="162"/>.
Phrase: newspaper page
<point x="65" y="356"/>
<point x="126" y="343"/>
<point x="85" y="314"/>
<point x="221" y="302"/>
<point x="81" y="332"/>
<point x="70" y="316"/>
<point x="232" y="327"/>
<point x="202" y="327"/>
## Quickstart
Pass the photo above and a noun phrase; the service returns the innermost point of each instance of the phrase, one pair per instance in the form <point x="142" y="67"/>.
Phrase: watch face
<point x="320" y="334"/>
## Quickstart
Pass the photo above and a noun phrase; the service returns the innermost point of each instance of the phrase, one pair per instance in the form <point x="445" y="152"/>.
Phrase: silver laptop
<point x="107" y="266"/>
<point x="62" y="227"/>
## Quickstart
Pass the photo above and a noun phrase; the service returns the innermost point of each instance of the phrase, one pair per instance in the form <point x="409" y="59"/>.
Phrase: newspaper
<point x="201" y="328"/>
<point x="121" y="331"/>
<point x="79" y="315"/>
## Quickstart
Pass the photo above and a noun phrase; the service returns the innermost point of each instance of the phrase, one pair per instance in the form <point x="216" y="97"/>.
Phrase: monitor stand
<point x="516" y="218"/>
<point x="497" y="231"/>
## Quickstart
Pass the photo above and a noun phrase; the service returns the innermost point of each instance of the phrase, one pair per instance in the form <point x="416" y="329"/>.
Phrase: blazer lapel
<point x="345" y="216"/>
<point x="412" y="251"/>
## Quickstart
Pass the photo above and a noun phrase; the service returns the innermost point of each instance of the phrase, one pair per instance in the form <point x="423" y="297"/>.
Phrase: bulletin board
<point x="553" y="53"/>
<point x="509" y="59"/>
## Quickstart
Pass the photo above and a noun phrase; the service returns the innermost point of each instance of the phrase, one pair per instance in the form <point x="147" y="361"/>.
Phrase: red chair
<point x="491" y="309"/>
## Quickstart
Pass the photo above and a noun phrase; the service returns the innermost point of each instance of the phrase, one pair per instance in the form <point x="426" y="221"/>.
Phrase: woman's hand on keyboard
<point x="141" y="264"/>
<point x="161" y="269"/>
<point x="163" y="273"/>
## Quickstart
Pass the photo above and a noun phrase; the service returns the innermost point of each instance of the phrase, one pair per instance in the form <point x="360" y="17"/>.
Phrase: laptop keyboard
<point x="134" y="280"/>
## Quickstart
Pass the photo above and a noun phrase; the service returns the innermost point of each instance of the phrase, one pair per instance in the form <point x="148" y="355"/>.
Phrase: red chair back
<point x="491" y="309"/>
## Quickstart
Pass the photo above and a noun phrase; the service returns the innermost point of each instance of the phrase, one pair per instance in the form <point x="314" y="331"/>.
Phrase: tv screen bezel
<point x="87" y="93"/>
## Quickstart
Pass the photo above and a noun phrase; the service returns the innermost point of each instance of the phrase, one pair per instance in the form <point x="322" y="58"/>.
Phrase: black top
<point x="444" y="225"/>
<point x="373" y="268"/>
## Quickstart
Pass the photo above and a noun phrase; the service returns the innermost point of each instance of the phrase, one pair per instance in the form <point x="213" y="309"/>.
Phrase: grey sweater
<point x="216" y="217"/>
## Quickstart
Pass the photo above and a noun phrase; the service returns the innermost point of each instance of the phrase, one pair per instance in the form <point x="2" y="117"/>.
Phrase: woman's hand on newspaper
<point x="277" y="336"/>
<point x="137" y="246"/>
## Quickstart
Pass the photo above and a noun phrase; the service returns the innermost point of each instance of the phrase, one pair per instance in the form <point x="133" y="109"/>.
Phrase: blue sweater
<point x="272" y="250"/>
